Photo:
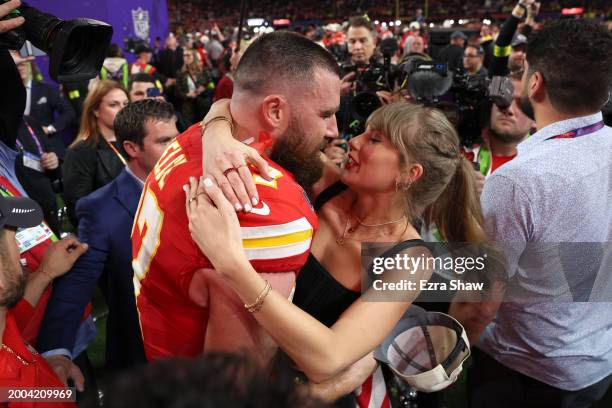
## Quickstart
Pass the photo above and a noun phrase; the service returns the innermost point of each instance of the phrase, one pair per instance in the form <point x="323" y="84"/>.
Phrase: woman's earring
<point x="405" y="186"/>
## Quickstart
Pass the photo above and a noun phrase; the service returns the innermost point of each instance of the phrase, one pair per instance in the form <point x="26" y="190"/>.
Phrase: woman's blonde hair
<point x="447" y="187"/>
<point x="89" y="125"/>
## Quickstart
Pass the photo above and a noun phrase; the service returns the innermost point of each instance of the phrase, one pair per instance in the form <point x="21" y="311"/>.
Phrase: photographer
<point x="368" y="77"/>
<point x="507" y="40"/>
<point x="506" y="128"/>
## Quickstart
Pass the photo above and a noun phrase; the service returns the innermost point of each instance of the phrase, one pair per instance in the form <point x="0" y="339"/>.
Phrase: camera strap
<point x="583" y="131"/>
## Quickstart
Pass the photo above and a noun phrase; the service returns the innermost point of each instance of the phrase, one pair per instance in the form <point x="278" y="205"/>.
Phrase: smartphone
<point x="28" y="50"/>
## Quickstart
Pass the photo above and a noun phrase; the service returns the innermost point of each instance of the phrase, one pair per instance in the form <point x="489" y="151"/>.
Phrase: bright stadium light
<point x="398" y="22"/>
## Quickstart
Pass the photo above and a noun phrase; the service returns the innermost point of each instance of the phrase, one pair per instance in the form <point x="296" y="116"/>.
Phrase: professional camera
<point x="76" y="48"/>
<point x="372" y="78"/>
<point x="460" y="96"/>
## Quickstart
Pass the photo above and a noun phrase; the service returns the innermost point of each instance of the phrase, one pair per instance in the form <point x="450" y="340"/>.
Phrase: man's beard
<point x="525" y="103"/>
<point x="14" y="290"/>
<point x="506" y="137"/>
<point x="293" y="153"/>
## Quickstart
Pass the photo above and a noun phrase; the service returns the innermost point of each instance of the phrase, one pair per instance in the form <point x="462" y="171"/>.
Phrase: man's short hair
<point x="130" y="122"/>
<point x="575" y="60"/>
<point x="140" y="77"/>
<point x="281" y="56"/>
<point x="360" y="21"/>
<point x="478" y="48"/>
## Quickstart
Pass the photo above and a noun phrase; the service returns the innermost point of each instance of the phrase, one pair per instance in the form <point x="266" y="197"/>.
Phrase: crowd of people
<point x="223" y="198"/>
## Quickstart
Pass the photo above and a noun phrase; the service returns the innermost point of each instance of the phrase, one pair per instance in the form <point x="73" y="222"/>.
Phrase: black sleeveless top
<point x="317" y="292"/>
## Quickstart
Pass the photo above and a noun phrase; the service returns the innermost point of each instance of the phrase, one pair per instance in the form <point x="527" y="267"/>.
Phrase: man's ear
<point x="535" y="88"/>
<point x="131" y="148"/>
<point x="275" y="112"/>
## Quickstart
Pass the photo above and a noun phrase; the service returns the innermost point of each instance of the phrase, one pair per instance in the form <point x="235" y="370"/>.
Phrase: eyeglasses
<point x="471" y="56"/>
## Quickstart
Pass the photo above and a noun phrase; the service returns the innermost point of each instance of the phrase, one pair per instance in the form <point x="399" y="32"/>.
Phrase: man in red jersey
<point x="21" y="368"/>
<point x="286" y="94"/>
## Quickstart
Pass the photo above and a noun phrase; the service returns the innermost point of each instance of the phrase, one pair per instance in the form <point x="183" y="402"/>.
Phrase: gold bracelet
<point x="215" y="119"/>
<point x="256" y="306"/>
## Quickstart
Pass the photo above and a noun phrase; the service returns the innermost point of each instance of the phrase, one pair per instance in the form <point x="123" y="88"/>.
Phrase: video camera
<point x="460" y="96"/>
<point x="76" y="48"/>
<point x="370" y="79"/>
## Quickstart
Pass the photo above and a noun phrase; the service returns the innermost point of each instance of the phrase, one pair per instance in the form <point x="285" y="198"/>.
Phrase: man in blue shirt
<point x="549" y="209"/>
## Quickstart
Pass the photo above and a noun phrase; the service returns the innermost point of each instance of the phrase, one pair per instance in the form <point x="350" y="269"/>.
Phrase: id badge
<point x="28" y="238"/>
<point x="32" y="161"/>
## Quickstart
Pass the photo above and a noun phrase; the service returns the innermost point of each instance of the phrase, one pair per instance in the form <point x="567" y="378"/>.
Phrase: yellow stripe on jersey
<point x="279" y="252"/>
<point x="277" y="241"/>
<point x="275" y="230"/>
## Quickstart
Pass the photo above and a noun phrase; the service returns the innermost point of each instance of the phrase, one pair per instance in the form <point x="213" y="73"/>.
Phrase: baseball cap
<point x="458" y="34"/>
<point x="519" y="39"/>
<point x="425" y="349"/>
<point x="19" y="212"/>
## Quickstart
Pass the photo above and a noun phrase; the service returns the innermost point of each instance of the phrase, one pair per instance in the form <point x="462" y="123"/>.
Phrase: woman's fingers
<point x="221" y="177"/>
<point x="258" y="161"/>
<point x="237" y="181"/>
<point x="218" y="198"/>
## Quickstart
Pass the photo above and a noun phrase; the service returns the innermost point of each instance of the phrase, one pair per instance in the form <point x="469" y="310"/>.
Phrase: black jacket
<point x="40" y="186"/>
<point x="48" y="107"/>
<point x="87" y="167"/>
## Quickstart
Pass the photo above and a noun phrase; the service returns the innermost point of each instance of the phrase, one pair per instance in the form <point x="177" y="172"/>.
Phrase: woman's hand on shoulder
<point x="226" y="160"/>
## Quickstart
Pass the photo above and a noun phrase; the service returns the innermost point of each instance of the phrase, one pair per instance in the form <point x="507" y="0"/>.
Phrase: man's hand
<point x="11" y="23"/>
<point x="49" y="161"/>
<point x="66" y="369"/>
<point x="347" y="83"/>
<point x="60" y="256"/>
<point x="532" y="12"/>
<point x="192" y="94"/>
<point x="345" y="382"/>
<point x="334" y="152"/>
<point x="170" y="82"/>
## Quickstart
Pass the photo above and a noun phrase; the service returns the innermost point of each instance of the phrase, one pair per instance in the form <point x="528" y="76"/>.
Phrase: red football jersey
<point x="277" y="236"/>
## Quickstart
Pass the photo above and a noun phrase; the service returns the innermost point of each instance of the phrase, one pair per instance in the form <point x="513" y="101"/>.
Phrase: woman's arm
<point x="320" y="352"/>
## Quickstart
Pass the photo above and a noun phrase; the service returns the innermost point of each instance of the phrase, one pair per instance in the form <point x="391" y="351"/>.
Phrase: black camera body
<point x="369" y="79"/>
<point x="76" y="48"/>
<point x="460" y="96"/>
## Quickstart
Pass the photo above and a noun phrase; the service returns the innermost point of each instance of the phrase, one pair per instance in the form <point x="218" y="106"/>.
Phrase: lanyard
<point x="4" y="192"/>
<point x="119" y="155"/>
<point x="41" y="151"/>
<point x="583" y="131"/>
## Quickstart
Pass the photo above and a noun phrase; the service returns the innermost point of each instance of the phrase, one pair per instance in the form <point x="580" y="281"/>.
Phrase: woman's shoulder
<point x="81" y="150"/>
<point x="83" y="146"/>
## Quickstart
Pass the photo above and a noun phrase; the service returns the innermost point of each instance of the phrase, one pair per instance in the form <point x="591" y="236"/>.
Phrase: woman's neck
<point x="377" y="208"/>
<point x="107" y="134"/>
